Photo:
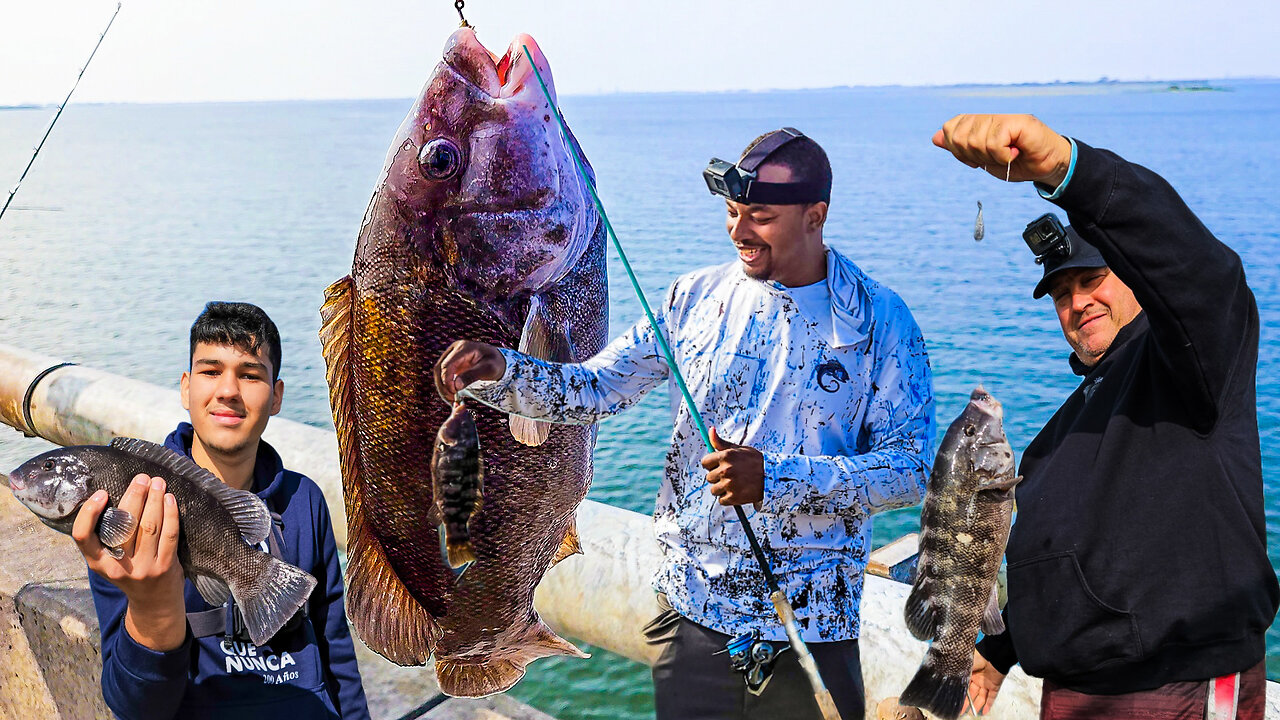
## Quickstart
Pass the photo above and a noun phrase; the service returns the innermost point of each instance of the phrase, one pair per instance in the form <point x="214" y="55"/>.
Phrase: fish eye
<point x="48" y="465"/>
<point x="440" y="159"/>
<point x="970" y="430"/>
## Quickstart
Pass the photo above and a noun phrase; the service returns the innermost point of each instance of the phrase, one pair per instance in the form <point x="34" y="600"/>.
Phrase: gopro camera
<point x="1047" y="238"/>
<point x="726" y="179"/>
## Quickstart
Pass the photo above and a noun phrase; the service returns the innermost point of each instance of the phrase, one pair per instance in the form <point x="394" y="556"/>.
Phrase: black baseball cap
<point x="1082" y="255"/>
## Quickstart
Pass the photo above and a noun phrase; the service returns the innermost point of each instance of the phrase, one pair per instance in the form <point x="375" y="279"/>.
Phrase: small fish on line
<point x="457" y="476"/>
<point x="968" y="509"/>
<point x="219" y="525"/>
<point x="979" y="229"/>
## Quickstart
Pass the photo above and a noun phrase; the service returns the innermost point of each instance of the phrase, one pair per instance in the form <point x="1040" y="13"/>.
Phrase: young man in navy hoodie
<point x="165" y="652"/>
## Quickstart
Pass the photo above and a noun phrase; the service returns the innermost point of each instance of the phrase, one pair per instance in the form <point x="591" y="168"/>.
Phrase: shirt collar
<point x="850" y="302"/>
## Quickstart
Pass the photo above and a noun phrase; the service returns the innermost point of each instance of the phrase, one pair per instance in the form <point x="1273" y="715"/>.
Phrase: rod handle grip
<point x="820" y="693"/>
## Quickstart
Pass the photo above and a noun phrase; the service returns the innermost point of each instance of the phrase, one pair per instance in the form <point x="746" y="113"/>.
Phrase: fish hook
<point x="458" y="5"/>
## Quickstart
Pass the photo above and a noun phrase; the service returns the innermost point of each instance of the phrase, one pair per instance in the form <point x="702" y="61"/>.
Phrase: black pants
<point x="689" y="683"/>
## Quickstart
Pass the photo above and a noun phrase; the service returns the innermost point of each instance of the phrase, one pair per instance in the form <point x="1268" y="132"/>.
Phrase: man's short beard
<point x="228" y="452"/>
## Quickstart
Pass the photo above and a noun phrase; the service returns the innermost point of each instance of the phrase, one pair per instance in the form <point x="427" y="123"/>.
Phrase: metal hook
<point x="458" y="5"/>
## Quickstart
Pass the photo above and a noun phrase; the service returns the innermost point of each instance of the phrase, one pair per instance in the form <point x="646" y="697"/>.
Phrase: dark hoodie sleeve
<point x="337" y="651"/>
<point x="1191" y="286"/>
<point x="138" y="683"/>
<point x="998" y="650"/>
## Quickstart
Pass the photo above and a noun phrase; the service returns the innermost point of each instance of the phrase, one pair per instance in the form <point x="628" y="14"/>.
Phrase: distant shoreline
<point x="1072" y="87"/>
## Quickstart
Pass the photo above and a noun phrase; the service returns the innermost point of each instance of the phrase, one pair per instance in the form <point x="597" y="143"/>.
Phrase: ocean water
<point x="135" y="215"/>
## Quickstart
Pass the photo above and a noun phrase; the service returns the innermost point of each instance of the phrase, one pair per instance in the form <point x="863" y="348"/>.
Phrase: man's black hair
<point x="804" y="157"/>
<point x="243" y="326"/>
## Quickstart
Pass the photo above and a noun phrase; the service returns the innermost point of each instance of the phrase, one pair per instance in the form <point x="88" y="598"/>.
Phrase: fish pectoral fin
<point x="528" y="431"/>
<point x="115" y="527"/>
<point x="249" y="512"/>
<point x="214" y="591"/>
<point x="570" y="545"/>
<point x="478" y="679"/>
<point x="385" y="614"/>
<point x="545" y="338"/>
<point x="284" y="589"/>
<point x="992" y="622"/>
<point x="1004" y="484"/>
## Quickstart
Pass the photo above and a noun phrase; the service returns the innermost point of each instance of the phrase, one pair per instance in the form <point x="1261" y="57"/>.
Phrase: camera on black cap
<point x="1047" y="238"/>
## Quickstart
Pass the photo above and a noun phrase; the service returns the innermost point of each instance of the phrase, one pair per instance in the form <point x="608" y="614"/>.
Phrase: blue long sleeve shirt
<point x="308" y="674"/>
<point x="831" y="383"/>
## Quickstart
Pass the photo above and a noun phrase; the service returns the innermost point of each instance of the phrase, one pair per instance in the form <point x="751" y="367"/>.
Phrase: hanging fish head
<point x="977" y="436"/>
<point x="481" y="170"/>
<point x="53" y="485"/>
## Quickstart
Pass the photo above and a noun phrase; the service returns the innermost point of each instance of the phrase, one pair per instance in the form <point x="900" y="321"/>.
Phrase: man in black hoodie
<point x="1138" y="577"/>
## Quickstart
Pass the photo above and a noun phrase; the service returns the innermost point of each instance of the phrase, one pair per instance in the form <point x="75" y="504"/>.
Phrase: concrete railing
<point x="602" y="596"/>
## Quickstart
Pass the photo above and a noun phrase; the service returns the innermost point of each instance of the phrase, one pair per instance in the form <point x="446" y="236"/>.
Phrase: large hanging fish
<point x="480" y="229"/>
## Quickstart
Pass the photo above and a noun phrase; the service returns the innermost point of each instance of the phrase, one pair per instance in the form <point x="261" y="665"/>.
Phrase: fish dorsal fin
<point x="248" y="510"/>
<point x="545" y="339"/>
<point x="385" y="615"/>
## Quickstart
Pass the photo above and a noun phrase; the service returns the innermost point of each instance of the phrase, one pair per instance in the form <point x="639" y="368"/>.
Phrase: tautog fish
<point x="968" y="509"/>
<point x="480" y="229"/>
<point x="219" y="524"/>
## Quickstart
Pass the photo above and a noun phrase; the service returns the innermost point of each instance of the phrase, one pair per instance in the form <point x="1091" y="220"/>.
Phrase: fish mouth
<point x="985" y="403"/>
<point x="507" y="76"/>
<point x="13" y="482"/>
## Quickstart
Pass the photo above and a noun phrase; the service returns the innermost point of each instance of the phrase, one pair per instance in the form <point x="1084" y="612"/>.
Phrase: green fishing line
<point x="657" y="332"/>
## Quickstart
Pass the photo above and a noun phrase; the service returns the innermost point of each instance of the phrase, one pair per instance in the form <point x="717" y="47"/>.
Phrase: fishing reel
<point x="754" y="658"/>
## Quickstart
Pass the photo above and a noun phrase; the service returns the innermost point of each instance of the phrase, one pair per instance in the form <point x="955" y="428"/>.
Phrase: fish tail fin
<point x="459" y="552"/>
<point x="465" y="678"/>
<point x="940" y="694"/>
<point x="280" y="589"/>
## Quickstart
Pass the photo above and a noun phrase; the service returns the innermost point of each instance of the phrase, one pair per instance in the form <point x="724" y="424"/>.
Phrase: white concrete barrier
<point x="602" y="596"/>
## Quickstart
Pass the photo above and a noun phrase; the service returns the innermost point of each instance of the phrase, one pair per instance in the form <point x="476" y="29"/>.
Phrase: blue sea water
<point x="135" y="215"/>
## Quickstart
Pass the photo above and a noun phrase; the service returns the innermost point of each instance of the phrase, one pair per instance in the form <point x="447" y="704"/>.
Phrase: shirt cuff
<point x="152" y="665"/>
<point x="490" y="392"/>
<point x="774" y="500"/>
<point x="1055" y="193"/>
<point x="998" y="650"/>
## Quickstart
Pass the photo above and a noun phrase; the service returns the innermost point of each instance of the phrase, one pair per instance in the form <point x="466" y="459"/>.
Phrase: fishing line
<point x="779" y="599"/>
<point x="58" y="114"/>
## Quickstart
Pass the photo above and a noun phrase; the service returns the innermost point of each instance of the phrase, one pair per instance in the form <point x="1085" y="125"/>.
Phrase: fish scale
<point x="496" y="241"/>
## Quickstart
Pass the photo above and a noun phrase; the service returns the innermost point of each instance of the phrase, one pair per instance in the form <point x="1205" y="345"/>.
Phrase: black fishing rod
<point x="779" y="599"/>
<point x="14" y="190"/>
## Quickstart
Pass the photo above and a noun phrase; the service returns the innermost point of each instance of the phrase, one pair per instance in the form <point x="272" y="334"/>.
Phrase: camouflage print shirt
<point x="842" y="411"/>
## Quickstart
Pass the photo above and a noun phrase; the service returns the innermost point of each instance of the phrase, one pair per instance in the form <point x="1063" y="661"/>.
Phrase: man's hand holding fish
<point x="147" y="570"/>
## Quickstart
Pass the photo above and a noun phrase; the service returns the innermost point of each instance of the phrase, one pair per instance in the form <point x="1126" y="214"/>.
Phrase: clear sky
<point x="194" y="50"/>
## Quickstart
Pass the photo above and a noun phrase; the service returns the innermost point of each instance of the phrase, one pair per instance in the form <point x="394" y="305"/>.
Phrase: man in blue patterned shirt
<point x="820" y="375"/>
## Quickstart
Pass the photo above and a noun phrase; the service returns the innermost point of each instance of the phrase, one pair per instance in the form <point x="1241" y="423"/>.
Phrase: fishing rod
<point x="14" y="190"/>
<point x="779" y="599"/>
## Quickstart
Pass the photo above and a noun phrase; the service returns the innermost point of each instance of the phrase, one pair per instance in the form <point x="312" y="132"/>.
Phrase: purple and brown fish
<point x="480" y="229"/>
